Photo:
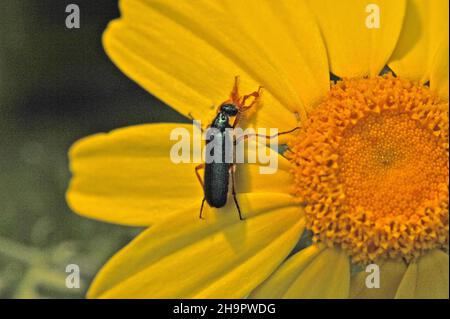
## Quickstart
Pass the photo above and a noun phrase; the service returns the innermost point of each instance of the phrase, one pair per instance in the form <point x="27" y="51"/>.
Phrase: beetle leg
<point x="201" y="208"/>
<point x="233" y="190"/>
<point x="197" y="168"/>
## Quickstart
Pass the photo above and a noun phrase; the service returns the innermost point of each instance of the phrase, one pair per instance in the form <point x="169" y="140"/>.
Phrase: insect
<point x="216" y="176"/>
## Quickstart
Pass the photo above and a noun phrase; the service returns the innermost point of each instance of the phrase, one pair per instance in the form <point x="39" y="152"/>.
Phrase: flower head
<point x="367" y="173"/>
<point x="371" y="167"/>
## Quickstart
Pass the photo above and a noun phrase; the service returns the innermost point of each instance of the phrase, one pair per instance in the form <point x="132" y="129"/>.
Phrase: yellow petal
<point x="391" y="273"/>
<point x="355" y="50"/>
<point x="187" y="53"/>
<point x="292" y="44"/>
<point x="425" y="28"/>
<point x="220" y="257"/>
<point x="127" y="176"/>
<point x="439" y="71"/>
<point x="314" y="272"/>
<point x="427" y="278"/>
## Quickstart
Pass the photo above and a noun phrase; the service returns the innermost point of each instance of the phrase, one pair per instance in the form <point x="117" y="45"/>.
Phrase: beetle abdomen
<point x="216" y="184"/>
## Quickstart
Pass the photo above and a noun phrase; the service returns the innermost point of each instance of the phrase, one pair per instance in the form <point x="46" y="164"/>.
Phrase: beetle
<point x="216" y="176"/>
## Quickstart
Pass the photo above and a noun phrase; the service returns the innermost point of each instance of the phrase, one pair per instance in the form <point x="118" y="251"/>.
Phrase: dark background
<point x="56" y="86"/>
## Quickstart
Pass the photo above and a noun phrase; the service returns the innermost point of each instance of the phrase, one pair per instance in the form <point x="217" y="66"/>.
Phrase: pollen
<point x="370" y="167"/>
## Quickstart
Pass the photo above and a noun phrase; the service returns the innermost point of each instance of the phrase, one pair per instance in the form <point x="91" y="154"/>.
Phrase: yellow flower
<point x="367" y="173"/>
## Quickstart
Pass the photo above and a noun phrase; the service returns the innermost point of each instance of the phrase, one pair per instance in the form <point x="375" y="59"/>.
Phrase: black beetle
<point x="216" y="177"/>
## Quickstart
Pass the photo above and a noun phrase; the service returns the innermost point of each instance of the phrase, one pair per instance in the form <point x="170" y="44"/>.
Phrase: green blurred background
<point x="56" y="86"/>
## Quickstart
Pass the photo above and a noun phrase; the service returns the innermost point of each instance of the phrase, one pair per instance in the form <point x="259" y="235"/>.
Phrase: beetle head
<point x="229" y="108"/>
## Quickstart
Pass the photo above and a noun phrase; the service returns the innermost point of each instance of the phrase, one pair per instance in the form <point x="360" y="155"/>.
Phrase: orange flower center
<point x="371" y="167"/>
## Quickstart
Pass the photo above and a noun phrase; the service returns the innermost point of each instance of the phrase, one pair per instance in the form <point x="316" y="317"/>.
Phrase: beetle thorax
<point x="221" y="121"/>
